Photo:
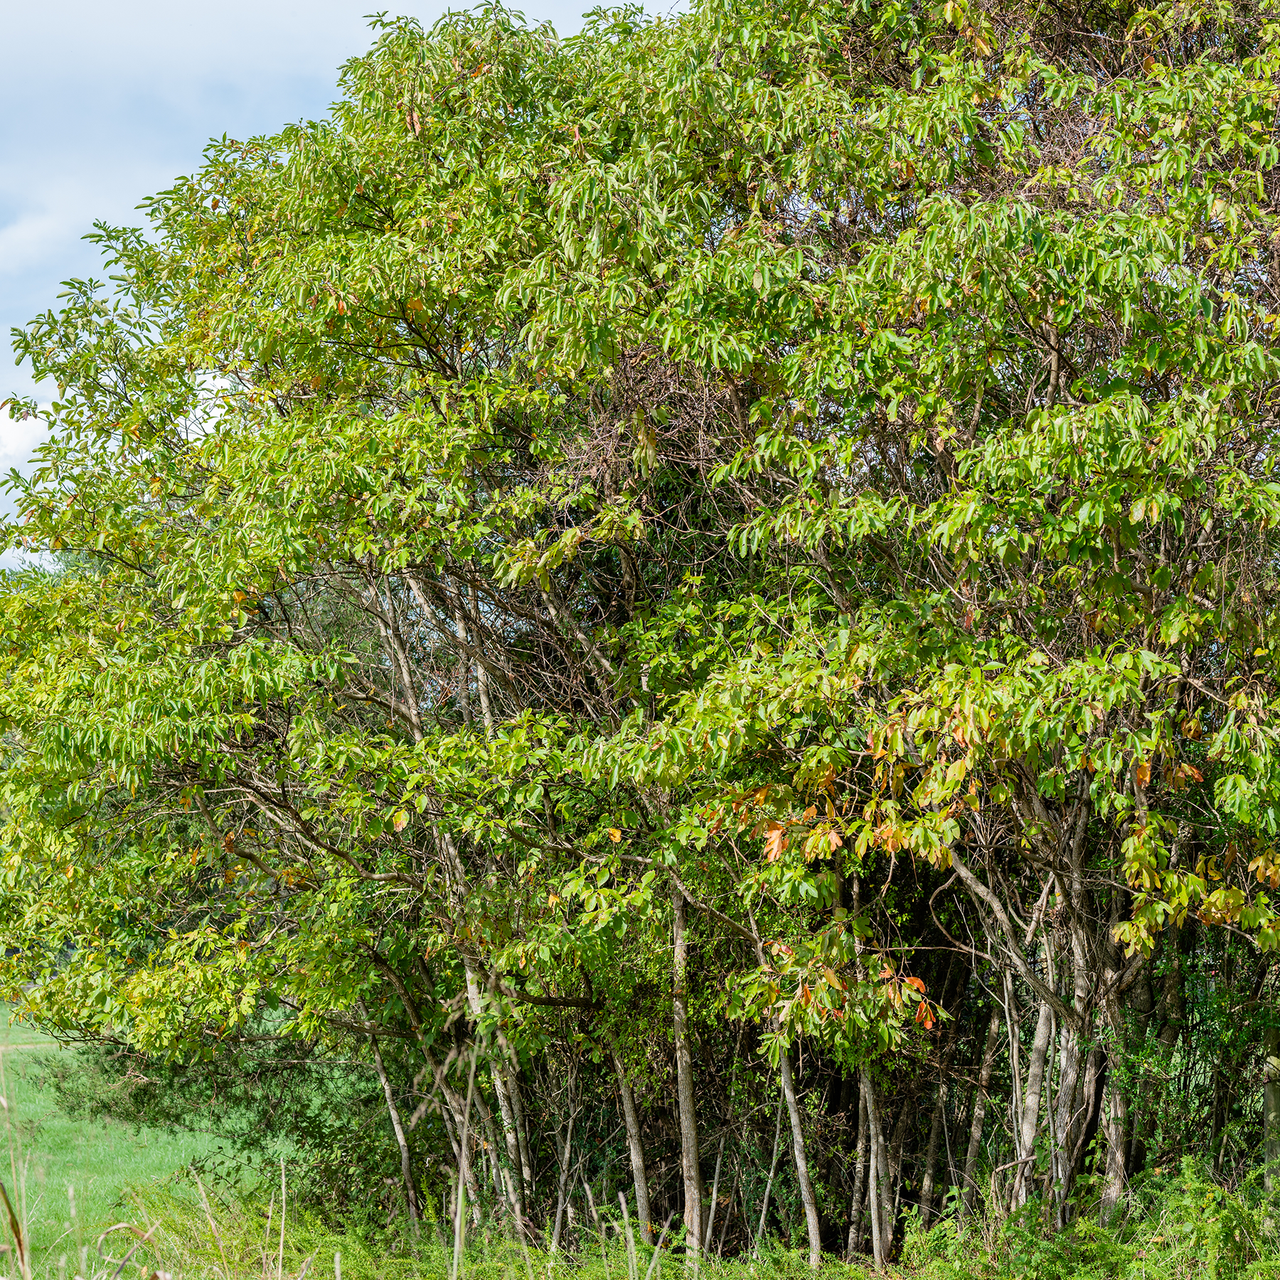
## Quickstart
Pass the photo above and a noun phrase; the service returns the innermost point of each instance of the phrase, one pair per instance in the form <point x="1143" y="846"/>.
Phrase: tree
<point x="649" y="491"/>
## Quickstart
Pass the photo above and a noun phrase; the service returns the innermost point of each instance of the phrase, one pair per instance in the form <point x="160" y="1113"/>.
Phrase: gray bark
<point x="812" y="1222"/>
<point x="880" y="1187"/>
<point x="635" y="1146"/>
<point x="510" y="1137"/>
<point x="1115" y="1116"/>
<point x="689" y="1158"/>
<point x="1271" y="1109"/>
<point x="1030" y="1119"/>
<point x="406" y="1167"/>
<point x="931" y="1158"/>
<point x="980" y="1112"/>
<point x="861" y="1158"/>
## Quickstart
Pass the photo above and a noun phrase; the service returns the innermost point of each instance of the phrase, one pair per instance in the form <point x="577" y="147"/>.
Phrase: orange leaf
<point x="1142" y="773"/>
<point x="833" y="839"/>
<point x="775" y="841"/>
<point x="614" y="834"/>
<point x="918" y="983"/>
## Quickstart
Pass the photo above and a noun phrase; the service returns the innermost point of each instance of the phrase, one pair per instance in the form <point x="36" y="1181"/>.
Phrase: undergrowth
<point x="1180" y="1225"/>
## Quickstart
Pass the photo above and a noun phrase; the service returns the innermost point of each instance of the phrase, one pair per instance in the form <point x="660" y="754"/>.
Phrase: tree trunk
<point x="510" y="1138"/>
<point x="861" y="1158"/>
<point x="768" y="1186"/>
<point x="808" y="1199"/>
<point x="980" y="1112"/>
<point x="1115" y="1115"/>
<point x="1067" y="1120"/>
<point x="1115" y="1112"/>
<point x="517" y="1108"/>
<point x="931" y="1158"/>
<point x="880" y="1189"/>
<point x="709" y="1226"/>
<point x="689" y="1160"/>
<point x="1271" y="1110"/>
<point x="1030" y="1120"/>
<point x="733" y="1191"/>
<point x="631" y="1119"/>
<point x="406" y="1168"/>
<point x="896" y="1146"/>
<point x="562" y="1187"/>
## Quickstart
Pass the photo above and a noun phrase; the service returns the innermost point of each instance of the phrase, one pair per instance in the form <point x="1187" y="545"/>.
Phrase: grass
<point x="68" y="1177"/>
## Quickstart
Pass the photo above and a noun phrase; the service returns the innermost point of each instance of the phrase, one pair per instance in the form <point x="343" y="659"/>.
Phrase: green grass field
<point x="68" y="1177"/>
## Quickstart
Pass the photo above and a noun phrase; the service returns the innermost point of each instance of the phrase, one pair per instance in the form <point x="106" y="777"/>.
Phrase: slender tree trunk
<point x="635" y="1146"/>
<point x="562" y="1187"/>
<point x="768" y="1185"/>
<point x="453" y="1108"/>
<point x="1115" y="1116"/>
<point x="1115" y="1113"/>
<point x="510" y="1136"/>
<point x="1030" y="1121"/>
<point x="486" y="711"/>
<point x="709" y="1226"/>
<point x="689" y="1159"/>
<point x="895" y="1147"/>
<point x="724" y="1226"/>
<point x="402" y="1141"/>
<point x="980" y="1112"/>
<point x="880" y="1190"/>
<point x="455" y="1112"/>
<point x="1271" y="1110"/>
<point x="517" y="1109"/>
<point x="862" y="1160"/>
<point x="464" y="666"/>
<point x="1067" y="1121"/>
<point x="1069" y="1116"/>
<point x="807" y="1197"/>
<point x="931" y="1158"/>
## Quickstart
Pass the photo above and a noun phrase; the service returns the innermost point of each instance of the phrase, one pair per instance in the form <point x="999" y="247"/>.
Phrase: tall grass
<point x="1182" y="1226"/>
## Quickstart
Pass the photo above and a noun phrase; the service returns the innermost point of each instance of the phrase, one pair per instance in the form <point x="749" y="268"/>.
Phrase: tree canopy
<point x="735" y="551"/>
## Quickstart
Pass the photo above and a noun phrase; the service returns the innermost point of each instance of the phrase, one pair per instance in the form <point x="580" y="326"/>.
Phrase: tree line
<point x="684" y="614"/>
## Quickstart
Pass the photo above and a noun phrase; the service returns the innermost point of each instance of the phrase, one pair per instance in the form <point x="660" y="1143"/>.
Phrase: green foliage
<point x="1181" y="1224"/>
<point x="812" y="460"/>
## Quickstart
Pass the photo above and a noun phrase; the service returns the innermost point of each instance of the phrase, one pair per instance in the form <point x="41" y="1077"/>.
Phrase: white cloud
<point x="17" y="440"/>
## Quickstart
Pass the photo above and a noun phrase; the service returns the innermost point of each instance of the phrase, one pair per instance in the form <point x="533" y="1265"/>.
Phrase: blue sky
<point x="104" y="103"/>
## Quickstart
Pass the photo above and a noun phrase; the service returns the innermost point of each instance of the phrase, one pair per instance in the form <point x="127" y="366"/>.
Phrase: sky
<point x="104" y="102"/>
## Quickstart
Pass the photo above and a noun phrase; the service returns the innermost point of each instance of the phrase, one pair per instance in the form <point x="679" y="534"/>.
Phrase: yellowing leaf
<point x="614" y="834"/>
